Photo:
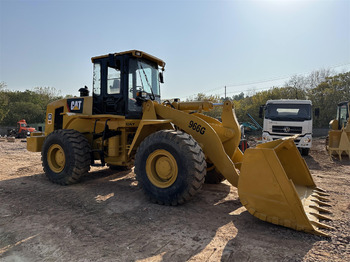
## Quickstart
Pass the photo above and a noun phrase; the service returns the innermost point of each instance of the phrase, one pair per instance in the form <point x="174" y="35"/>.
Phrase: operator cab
<point x="342" y="114"/>
<point x="122" y="80"/>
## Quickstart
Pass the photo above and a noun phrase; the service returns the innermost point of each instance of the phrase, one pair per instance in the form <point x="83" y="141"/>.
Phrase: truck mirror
<point x="317" y="112"/>
<point x="161" y="78"/>
<point x="261" y="109"/>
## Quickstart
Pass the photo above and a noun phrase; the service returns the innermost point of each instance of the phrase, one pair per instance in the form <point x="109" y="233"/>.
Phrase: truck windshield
<point x="288" y="112"/>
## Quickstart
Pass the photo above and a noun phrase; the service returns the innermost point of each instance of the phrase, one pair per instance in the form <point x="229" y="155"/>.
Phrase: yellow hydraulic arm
<point x="208" y="136"/>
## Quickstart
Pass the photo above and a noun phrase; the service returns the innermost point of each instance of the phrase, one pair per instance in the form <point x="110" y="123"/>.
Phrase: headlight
<point x="307" y="140"/>
<point x="266" y="138"/>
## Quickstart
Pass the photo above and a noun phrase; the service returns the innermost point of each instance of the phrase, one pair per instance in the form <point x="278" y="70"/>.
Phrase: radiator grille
<point x="287" y="129"/>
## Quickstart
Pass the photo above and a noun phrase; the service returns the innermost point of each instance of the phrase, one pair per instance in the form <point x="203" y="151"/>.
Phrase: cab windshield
<point x="343" y="115"/>
<point x="288" y="112"/>
<point x="143" y="76"/>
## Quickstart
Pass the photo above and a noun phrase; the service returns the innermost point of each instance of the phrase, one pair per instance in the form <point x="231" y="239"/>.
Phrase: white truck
<point x="288" y="117"/>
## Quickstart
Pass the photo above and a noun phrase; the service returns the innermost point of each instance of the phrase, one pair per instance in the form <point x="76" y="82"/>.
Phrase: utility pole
<point x="225" y="92"/>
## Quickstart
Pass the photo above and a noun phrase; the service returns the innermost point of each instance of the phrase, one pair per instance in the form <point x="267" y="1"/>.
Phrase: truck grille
<point x="287" y="129"/>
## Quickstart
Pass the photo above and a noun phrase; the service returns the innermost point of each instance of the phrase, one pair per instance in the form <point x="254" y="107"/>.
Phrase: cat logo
<point x="75" y="105"/>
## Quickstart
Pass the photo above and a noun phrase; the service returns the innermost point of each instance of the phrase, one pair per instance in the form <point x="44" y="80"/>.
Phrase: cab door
<point x="108" y="97"/>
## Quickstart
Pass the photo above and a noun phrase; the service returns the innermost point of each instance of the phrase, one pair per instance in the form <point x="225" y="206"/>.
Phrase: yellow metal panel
<point x="113" y="146"/>
<point x="35" y="142"/>
<point x="334" y="124"/>
<point x="67" y="116"/>
<point x="83" y="125"/>
<point x="87" y="109"/>
<point x="50" y="114"/>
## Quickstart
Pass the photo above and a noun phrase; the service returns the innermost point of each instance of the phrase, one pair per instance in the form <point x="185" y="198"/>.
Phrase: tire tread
<point x="192" y="152"/>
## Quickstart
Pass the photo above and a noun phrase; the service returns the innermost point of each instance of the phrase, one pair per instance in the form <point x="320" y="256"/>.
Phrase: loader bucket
<point x="275" y="185"/>
<point x="339" y="142"/>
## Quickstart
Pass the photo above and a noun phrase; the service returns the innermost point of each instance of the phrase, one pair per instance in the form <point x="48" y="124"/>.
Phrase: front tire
<point x="305" y="151"/>
<point x="65" y="156"/>
<point x="170" y="167"/>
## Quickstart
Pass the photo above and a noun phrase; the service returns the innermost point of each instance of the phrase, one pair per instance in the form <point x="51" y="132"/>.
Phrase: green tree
<point x="327" y="95"/>
<point x="29" y="105"/>
<point x="238" y="97"/>
<point x="4" y="101"/>
<point x="29" y="111"/>
<point x="216" y="112"/>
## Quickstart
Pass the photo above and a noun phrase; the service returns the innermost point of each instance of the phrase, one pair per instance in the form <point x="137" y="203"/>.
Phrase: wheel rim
<point x="161" y="168"/>
<point x="56" y="158"/>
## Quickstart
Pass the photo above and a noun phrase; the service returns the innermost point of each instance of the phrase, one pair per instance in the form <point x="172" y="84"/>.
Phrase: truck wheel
<point x="22" y="134"/>
<point x="213" y="176"/>
<point x="170" y="167"/>
<point x="65" y="156"/>
<point x="305" y="151"/>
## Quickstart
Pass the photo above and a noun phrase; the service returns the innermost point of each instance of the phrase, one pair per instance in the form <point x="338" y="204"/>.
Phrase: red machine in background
<point x="22" y="130"/>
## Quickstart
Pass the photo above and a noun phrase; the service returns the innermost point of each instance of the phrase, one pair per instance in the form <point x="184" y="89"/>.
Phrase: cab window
<point x="97" y="79"/>
<point x="113" y="81"/>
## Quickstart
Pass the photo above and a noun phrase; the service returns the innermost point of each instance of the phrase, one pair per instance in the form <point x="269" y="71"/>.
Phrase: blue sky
<point x="206" y="44"/>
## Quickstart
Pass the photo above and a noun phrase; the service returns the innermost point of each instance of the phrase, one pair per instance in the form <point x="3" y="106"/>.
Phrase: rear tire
<point x="65" y="156"/>
<point x="170" y="167"/>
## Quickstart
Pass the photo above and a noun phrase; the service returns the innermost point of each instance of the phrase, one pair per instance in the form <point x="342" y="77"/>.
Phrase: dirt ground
<point x="106" y="217"/>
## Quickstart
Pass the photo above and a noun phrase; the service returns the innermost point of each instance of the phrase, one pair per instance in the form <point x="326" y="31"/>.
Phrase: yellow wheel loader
<point x="173" y="145"/>
<point x="338" y="140"/>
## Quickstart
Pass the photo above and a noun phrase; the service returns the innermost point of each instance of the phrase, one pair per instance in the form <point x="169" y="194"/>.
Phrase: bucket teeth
<point x="320" y="233"/>
<point x="321" y="225"/>
<point x="321" y="216"/>
<point x="322" y="198"/>
<point x="321" y="193"/>
<point x="320" y="190"/>
<point x="321" y="203"/>
<point x="321" y="209"/>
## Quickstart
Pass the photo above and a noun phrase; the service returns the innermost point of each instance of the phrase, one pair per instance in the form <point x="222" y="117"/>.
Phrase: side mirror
<point x="317" y="112"/>
<point x="161" y="78"/>
<point x="261" y="110"/>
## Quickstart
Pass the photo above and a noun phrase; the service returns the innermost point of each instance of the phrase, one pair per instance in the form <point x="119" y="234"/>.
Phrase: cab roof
<point x="135" y="53"/>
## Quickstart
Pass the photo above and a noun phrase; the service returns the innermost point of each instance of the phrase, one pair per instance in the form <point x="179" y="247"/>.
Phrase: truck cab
<point x="288" y="117"/>
<point x="22" y="130"/>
